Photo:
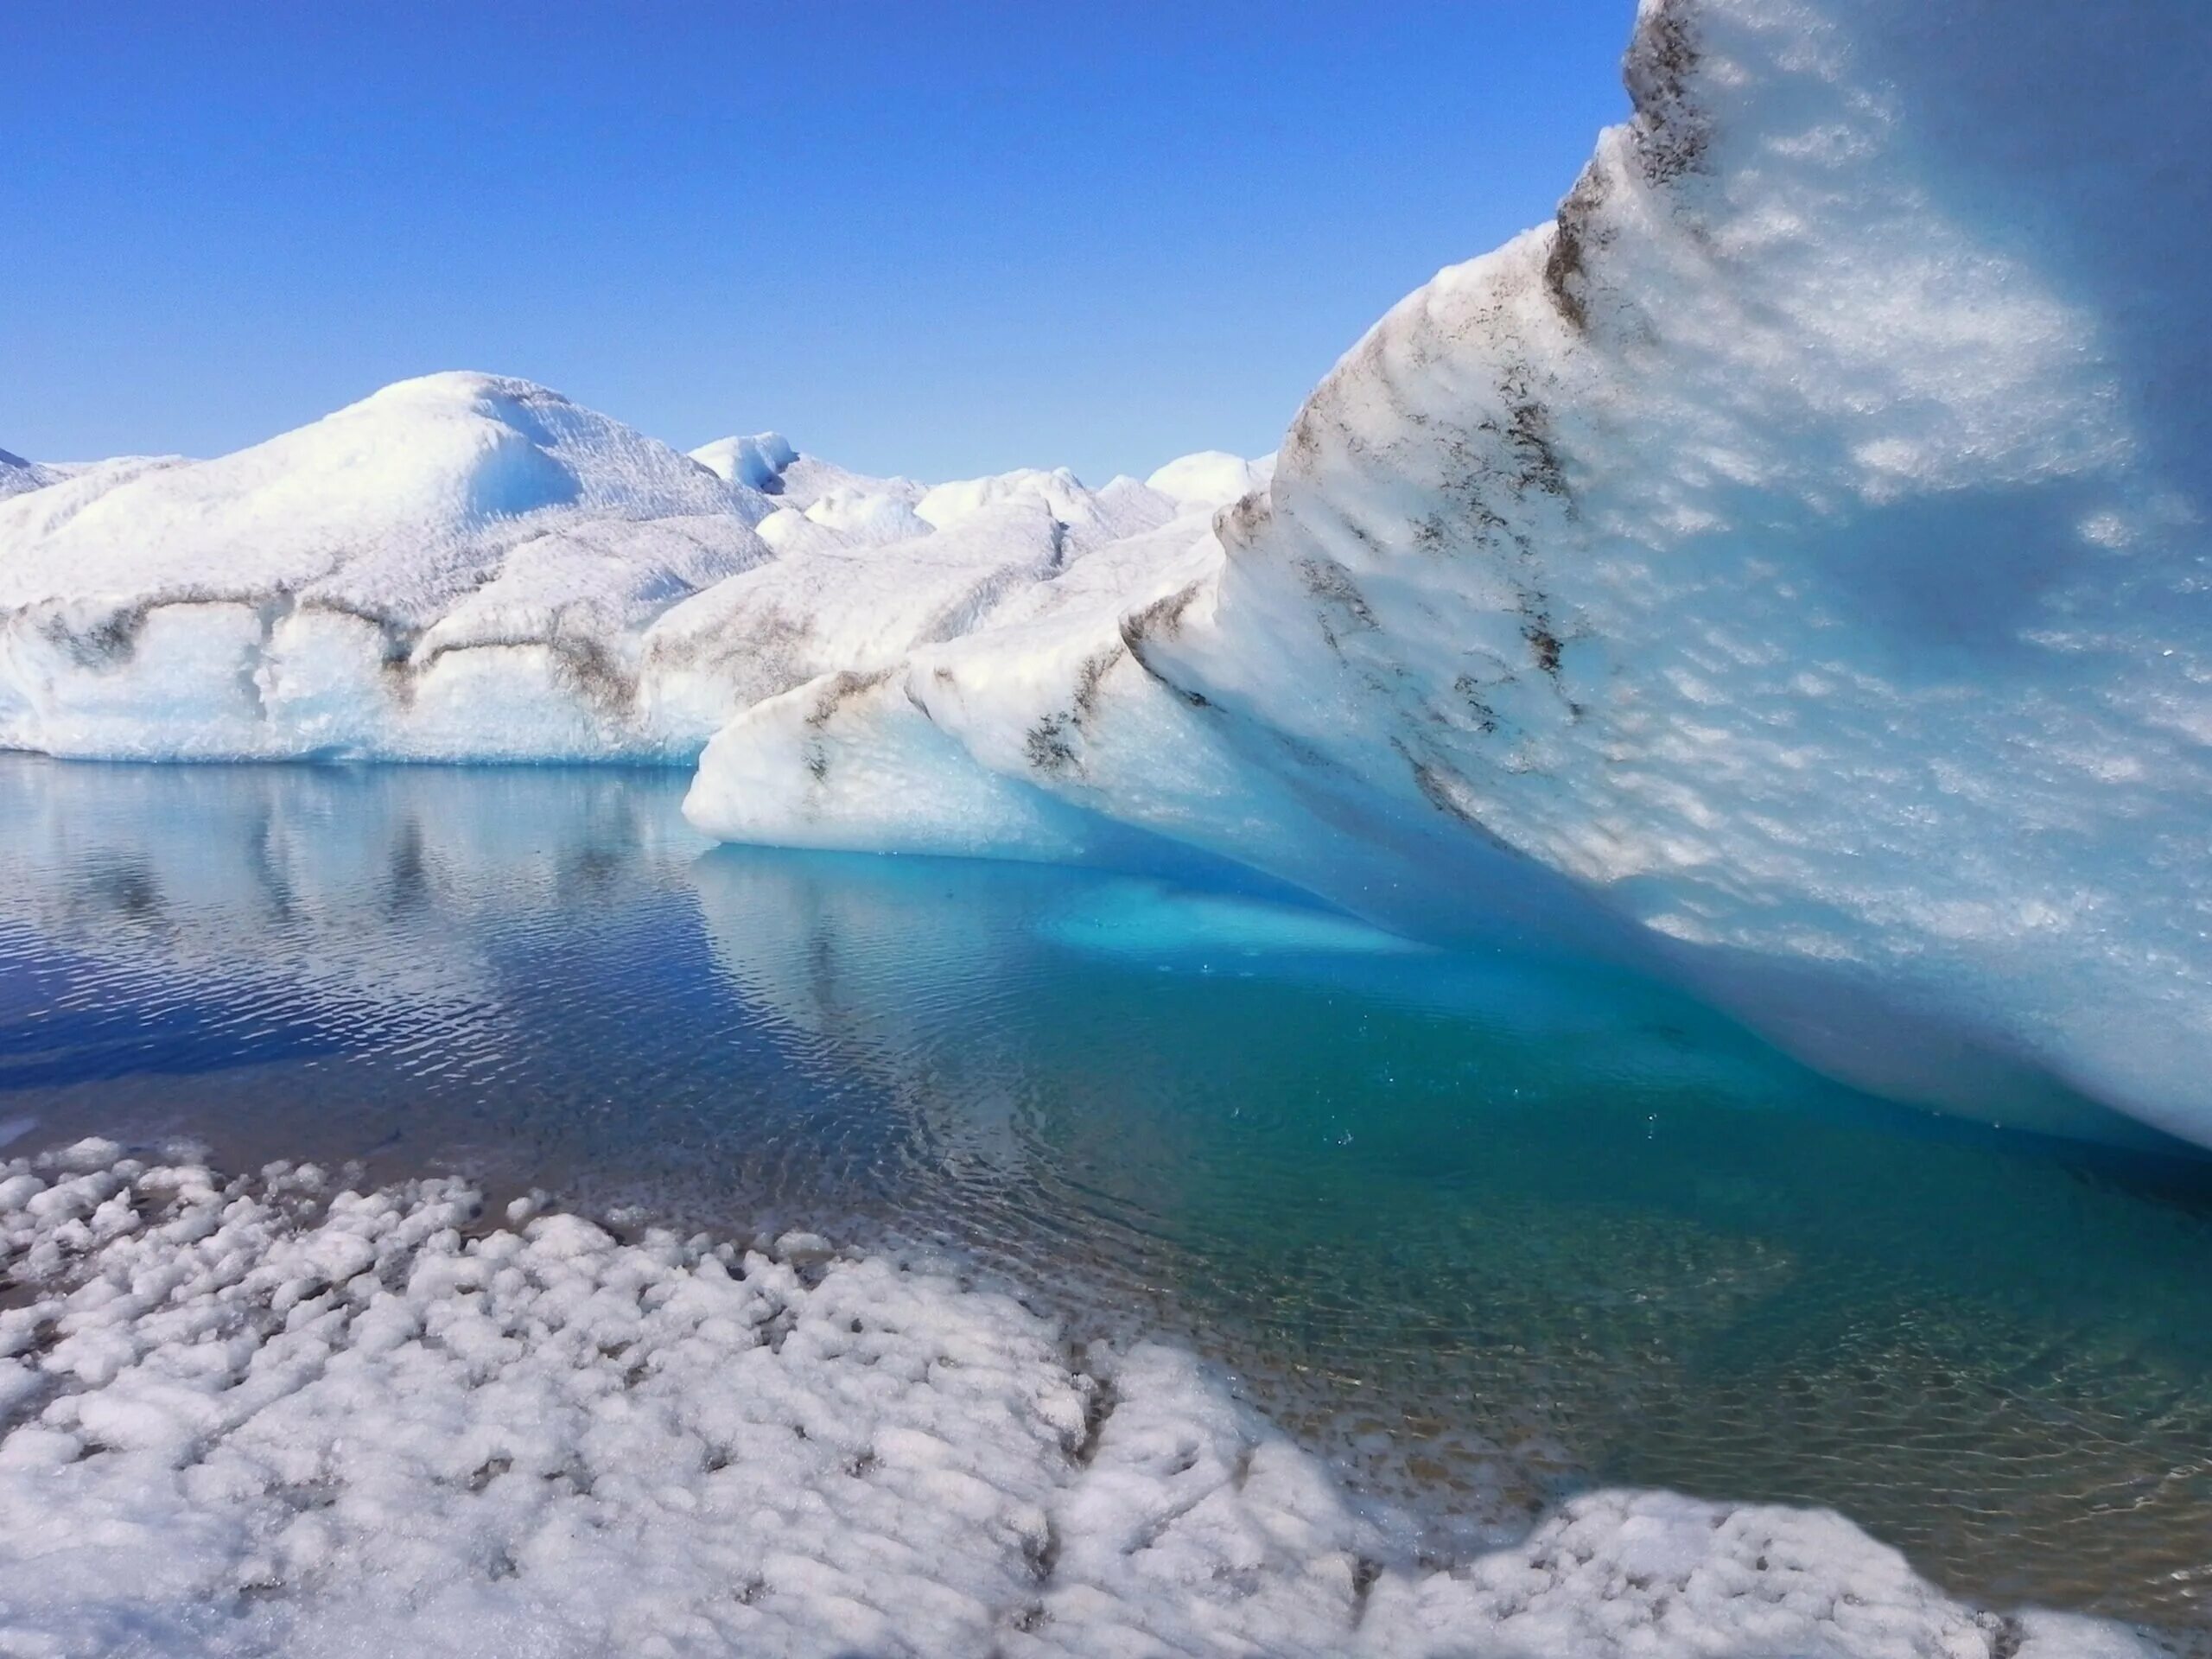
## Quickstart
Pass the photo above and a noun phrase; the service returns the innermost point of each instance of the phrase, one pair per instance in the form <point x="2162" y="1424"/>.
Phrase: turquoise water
<point x="1483" y="1228"/>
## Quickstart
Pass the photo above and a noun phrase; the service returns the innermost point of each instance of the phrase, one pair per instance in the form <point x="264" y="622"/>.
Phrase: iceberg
<point x="467" y="566"/>
<point x="455" y="567"/>
<point x="1784" y="571"/>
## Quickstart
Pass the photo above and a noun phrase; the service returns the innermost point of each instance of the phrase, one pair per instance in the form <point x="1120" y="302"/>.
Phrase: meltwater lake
<point x="1484" y="1229"/>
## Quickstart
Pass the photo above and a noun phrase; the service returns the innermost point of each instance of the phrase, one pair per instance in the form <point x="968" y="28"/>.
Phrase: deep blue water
<point x="1483" y="1228"/>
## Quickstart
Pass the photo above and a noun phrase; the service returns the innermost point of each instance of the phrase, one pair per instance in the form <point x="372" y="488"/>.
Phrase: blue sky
<point x="933" y="238"/>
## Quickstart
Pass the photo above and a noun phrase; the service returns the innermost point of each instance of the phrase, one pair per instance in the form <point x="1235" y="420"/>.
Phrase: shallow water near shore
<point x="1483" y="1228"/>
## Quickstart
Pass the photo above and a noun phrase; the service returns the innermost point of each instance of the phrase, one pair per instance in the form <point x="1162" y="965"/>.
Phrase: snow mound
<point x="268" y="1415"/>
<point x="460" y="565"/>
<point x="758" y="461"/>
<point x="768" y="462"/>
<point x="1211" y="478"/>
<point x="1784" y="571"/>
<point x="1092" y="518"/>
<point x="858" y="513"/>
<point x="394" y="506"/>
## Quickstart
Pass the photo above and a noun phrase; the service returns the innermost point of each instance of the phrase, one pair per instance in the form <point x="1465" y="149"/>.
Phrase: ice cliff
<point x="1784" y="571"/>
<point x="1787" y="568"/>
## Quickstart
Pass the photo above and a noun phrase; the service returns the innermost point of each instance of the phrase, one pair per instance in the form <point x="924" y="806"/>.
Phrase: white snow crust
<point x="1211" y="478"/>
<point x="758" y="462"/>
<point x="275" y="1416"/>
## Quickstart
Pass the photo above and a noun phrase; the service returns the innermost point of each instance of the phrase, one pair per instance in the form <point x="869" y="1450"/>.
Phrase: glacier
<point x="1784" y="573"/>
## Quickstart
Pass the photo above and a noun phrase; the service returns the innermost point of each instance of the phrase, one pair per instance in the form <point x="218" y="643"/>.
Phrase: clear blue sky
<point x="939" y="238"/>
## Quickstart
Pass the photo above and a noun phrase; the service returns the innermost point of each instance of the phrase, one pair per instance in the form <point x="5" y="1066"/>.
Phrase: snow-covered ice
<point x="463" y="567"/>
<point x="1785" y="571"/>
<point x="275" y="1415"/>
<point x="1211" y="478"/>
<point x="758" y="462"/>
<point x="457" y="566"/>
<point x="17" y="475"/>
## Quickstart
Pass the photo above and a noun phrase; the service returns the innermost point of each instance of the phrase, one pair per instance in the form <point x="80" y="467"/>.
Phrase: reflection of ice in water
<point x="1454" y="1218"/>
<point x="359" y="906"/>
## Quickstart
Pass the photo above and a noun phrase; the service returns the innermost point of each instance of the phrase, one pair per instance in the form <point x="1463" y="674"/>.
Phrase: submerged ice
<point x="1784" y="572"/>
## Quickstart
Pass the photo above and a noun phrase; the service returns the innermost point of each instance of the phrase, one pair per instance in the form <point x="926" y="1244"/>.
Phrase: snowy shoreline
<point x="270" y="1414"/>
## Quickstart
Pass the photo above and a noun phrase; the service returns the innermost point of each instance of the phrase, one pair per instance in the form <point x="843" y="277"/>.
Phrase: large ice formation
<point x="465" y="567"/>
<point x="275" y="1416"/>
<point x="458" y="565"/>
<point x="1784" y="571"/>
